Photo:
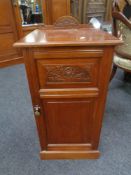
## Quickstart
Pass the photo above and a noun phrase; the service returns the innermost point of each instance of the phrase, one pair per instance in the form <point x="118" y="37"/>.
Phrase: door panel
<point x="5" y="12"/>
<point x="6" y="46"/>
<point x="69" y="121"/>
<point x="8" y="35"/>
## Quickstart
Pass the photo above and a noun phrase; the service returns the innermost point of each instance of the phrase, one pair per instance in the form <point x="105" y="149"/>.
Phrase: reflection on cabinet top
<point x="83" y="35"/>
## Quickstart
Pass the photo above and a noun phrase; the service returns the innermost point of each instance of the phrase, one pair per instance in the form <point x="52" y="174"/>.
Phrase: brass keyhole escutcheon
<point x="37" y="110"/>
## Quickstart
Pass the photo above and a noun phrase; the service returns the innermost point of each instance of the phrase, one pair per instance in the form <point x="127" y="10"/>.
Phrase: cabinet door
<point x="8" y="35"/>
<point x="70" y="124"/>
<point x="69" y="121"/>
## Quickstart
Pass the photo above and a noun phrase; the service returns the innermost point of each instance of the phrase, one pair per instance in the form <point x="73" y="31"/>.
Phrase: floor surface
<point x="19" y="147"/>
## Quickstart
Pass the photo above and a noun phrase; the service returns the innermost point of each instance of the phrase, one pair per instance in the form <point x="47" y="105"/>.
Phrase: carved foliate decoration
<point x="66" y="21"/>
<point x="68" y="73"/>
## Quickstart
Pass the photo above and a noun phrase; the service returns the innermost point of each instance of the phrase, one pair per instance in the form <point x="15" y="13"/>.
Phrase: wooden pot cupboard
<point x="68" y="70"/>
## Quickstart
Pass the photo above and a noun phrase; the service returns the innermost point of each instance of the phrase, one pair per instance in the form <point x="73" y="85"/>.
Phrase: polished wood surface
<point x="80" y="36"/>
<point x="8" y="35"/>
<point x="69" y="154"/>
<point x="68" y="72"/>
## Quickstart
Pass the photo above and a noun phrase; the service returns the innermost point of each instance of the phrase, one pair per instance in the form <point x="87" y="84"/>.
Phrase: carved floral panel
<point x="68" y="73"/>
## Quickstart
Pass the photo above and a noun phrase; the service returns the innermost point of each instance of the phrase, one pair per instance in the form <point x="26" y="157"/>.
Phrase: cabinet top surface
<point x="82" y="36"/>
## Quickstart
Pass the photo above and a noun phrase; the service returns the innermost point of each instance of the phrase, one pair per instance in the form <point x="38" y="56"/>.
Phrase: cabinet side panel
<point x="34" y="90"/>
<point x="105" y="71"/>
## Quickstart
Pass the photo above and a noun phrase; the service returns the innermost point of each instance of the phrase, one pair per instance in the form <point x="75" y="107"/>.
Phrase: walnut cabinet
<point x="68" y="72"/>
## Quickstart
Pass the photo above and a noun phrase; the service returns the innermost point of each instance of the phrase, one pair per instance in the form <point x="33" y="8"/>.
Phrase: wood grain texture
<point x="69" y="93"/>
<point x="67" y="52"/>
<point x="69" y="120"/>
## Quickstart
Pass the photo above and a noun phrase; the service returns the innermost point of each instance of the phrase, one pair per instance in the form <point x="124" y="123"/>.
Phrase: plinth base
<point x="46" y="155"/>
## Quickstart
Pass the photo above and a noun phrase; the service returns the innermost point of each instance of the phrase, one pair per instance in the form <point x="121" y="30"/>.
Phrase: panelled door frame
<point x="10" y="55"/>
